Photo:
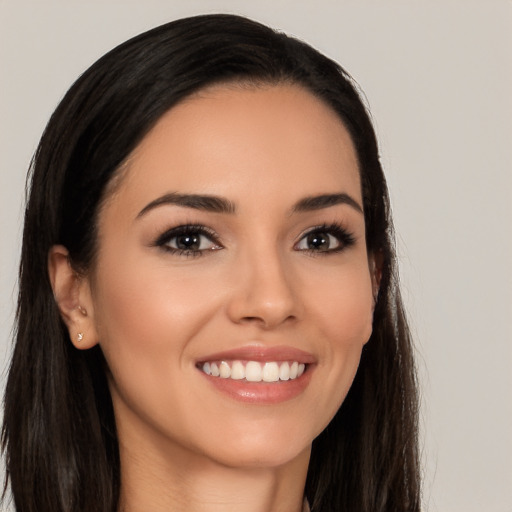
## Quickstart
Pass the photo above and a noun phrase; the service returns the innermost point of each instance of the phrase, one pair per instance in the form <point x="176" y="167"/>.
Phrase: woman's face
<point x="234" y="244"/>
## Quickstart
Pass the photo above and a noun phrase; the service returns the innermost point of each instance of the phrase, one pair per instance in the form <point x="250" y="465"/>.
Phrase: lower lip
<point x="264" y="393"/>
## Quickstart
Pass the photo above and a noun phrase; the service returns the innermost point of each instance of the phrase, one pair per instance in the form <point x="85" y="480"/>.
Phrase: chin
<point x="263" y="447"/>
<point x="262" y="458"/>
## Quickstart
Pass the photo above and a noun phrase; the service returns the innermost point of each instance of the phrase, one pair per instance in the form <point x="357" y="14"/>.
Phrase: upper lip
<point x="262" y="354"/>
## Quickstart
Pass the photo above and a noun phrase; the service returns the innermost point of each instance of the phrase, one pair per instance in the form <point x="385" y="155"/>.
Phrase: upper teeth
<point x="254" y="371"/>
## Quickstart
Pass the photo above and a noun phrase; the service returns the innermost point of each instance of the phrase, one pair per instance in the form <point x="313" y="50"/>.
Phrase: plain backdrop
<point x="438" y="79"/>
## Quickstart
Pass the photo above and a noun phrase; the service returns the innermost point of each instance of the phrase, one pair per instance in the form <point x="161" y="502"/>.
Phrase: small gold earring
<point x="80" y="337"/>
<point x="82" y="310"/>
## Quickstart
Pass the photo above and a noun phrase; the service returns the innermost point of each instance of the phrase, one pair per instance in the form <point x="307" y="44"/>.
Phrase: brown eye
<point x="192" y="241"/>
<point x="325" y="239"/>
<point x="188" y="240"/>
<point x="319" y="242"/>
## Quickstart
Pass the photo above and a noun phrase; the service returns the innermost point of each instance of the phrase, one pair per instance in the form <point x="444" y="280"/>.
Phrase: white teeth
<point x="237" y="371"/>
<point x="214" y="369"/>
<point x="225" y="370"/>
<point x="271" y="372"/>
<point x="284" y="371"/>
<point x="254" y="371"/>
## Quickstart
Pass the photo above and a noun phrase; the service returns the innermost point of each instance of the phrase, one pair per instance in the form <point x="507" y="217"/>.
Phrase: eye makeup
<point x="193" y="239"/>
<point x="188" y="240"/>
<point x="325" y="239"/>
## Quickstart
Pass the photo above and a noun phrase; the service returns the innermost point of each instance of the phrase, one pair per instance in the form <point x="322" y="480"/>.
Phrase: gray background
<point x="438" y="77"/>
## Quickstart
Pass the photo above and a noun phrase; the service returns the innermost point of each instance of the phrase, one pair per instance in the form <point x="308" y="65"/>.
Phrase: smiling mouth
<point x="254" y="371"/>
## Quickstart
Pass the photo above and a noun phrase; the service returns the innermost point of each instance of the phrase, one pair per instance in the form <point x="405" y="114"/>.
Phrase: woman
<point x="209" y="316"/>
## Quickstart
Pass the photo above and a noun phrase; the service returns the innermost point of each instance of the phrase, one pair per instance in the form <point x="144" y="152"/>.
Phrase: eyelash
<point x="187" y="229"/>
<point x="345" y="239"/>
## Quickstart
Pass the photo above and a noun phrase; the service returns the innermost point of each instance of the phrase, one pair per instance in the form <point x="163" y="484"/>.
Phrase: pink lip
<point x="262" y="354"/>
<point x="263" y="393"/>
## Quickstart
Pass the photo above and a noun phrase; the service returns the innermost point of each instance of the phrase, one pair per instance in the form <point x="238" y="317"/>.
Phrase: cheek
<point x="146" y="318"/>
<point x="147" y="321"/>
<point x="344" y="320"/>
<point x="345" y="309"/>
<point x="149" y="305"/>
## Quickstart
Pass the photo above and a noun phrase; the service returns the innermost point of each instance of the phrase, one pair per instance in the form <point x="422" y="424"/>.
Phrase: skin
<point x="184" y="445"/>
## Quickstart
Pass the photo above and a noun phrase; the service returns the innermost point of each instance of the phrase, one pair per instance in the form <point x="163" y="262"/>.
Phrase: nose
<point x="263" y="292"/>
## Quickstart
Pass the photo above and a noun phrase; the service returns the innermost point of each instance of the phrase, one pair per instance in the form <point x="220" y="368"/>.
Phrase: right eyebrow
<point x="326" y="201"/>
<point x="206" y="203"/>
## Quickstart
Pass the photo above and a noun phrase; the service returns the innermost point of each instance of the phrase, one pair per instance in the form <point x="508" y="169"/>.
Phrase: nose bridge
<point x="264" y="287"/>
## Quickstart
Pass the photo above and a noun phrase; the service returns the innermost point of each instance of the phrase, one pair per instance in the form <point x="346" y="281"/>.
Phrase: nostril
<point x="267" y="321"/>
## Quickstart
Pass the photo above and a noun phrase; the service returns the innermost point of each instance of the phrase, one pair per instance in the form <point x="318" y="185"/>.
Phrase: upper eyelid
<point x="333" y="226"/>
<point x="346" y="239"/>
<point x="183" y="228"/>
<point x="215" y="237"/>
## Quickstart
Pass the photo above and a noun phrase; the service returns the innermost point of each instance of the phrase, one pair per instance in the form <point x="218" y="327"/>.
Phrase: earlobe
<point x="72" y="295"/>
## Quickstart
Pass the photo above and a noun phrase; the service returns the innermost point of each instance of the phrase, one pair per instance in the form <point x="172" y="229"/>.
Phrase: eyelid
<point x="336" y="229"/>
<point x="183" y="229"/>
<point x="343" y="237"/>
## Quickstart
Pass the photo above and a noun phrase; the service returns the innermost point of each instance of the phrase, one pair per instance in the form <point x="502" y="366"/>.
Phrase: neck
<point x="176" y="480"/>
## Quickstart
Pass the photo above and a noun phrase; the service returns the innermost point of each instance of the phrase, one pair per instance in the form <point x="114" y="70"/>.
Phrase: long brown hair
<point x="59" y="433"/>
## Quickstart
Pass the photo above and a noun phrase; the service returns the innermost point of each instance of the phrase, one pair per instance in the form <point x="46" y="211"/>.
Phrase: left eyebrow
<point x="195" y="201"/>
<point x="319" y="202"/>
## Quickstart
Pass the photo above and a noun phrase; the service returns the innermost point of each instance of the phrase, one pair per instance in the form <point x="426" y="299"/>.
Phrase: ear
<point x="73" y="296"/>
<point x="376" y="263"/>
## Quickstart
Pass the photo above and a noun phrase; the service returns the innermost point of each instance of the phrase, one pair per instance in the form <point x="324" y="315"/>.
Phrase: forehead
<point x="268" y="138"/>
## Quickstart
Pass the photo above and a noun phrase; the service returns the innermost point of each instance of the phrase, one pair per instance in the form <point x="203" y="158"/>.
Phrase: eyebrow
<point x="218" y="204"/>
<point x="325" y="201"/>
<point x="196" y="201"/>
